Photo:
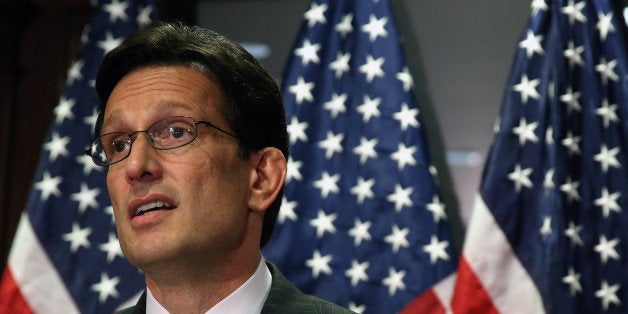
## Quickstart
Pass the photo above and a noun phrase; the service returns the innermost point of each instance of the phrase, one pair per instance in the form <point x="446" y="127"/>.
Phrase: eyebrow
<point x="162" y="107"/>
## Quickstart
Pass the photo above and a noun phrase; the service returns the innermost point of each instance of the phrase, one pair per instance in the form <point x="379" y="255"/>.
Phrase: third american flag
<point x="363" y="223"/>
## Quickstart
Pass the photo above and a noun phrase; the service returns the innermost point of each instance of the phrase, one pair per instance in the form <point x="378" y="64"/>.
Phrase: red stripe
<point x="469" y="293"/>
<point x="11" y="299"/>
<point x="425" y="303"/>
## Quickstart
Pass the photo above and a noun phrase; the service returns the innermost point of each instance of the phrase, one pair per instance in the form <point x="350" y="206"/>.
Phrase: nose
<point x="142" y="164"/>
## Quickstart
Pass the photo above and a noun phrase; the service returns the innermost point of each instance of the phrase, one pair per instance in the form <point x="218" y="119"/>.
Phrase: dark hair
<point x="252" y="103"/>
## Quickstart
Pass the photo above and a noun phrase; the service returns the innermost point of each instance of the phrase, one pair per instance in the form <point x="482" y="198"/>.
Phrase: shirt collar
<point x="248" y="298"/>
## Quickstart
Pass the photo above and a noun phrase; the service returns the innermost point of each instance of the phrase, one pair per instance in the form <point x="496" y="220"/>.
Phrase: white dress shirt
<point x="248" y="298"/>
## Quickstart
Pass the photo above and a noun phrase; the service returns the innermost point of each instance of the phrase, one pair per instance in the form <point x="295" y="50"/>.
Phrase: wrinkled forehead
<point x="159" y="92"/>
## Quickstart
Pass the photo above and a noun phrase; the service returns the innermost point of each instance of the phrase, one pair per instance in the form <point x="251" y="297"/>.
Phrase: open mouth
<point x="151" y="207"/>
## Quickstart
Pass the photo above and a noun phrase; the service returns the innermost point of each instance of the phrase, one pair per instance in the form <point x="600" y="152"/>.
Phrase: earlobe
<point x="270" y="174"/>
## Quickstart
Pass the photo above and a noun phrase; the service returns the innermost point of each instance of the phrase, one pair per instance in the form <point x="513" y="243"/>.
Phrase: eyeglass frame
<point x="89" y="152"/>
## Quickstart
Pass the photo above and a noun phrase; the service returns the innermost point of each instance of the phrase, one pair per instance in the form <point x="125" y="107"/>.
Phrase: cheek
<point x="113" y="184"/>
<point x="220" y="186"/>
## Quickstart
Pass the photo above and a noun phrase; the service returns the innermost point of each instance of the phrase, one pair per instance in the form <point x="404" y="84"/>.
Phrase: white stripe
<point x="444" y="291"/>
<point x="492" y="259"/>
<point x="34" y="273"/>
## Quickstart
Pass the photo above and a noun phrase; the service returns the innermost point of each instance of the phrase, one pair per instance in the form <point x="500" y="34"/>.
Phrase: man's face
<point x="196" y="194"/>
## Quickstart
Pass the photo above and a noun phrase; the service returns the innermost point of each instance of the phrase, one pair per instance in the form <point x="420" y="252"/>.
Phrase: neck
<point x="197" y="288"/>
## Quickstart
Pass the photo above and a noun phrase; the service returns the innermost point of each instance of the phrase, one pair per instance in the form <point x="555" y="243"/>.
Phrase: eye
<point x="119" y="146"/>
<point x="173" y="132"/>
<point x="178" y="132"/>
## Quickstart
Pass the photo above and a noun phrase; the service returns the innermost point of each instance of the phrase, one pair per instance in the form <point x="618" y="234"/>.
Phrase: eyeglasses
<point x="169" y="133"/>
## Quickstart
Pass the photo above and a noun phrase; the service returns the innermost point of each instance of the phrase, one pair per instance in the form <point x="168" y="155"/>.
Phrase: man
<point x="193" y="133"/>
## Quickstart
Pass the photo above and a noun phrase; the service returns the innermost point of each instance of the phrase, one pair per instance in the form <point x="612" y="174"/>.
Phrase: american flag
<point x="549" y="230"/>
<point x="362" y="223"/>
<point x="65" y="256"/>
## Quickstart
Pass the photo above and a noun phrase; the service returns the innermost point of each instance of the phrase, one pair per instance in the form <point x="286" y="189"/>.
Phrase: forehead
<point x="163" y="90"/>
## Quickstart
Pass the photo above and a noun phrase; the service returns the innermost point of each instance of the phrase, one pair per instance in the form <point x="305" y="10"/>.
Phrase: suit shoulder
<point x="284" y="297"/>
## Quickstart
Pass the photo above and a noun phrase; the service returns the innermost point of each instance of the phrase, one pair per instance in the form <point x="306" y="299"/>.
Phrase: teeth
<point x="152" y="205"/>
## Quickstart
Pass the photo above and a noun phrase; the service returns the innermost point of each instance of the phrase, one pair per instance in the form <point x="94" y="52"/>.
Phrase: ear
<point x="268" y="178"/>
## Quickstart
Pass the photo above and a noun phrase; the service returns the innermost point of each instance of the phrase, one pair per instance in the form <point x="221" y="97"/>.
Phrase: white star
<point x="296" y="130"/>
<point x="548" y="181"/>
<point x="85" y="34"/>
<point x="394" y="281"/>
<point x="363" y="189"/>
<point x="404" y="156"/>
<point x="606" y="70"/>
<point x="49" y="186"/>
<point x="574" y="54"/>
<point x="527" y="88"/>
<point x="375" y="27"/>
<point x="74" y="73"/>
<point x="294" y="170"/>
<point x="112" y="247"/>
<point x="406" y="78"/>
<point x="360" y="231"/>
<point x="573" y="233"/>
<point x="327" y="184"/>
<point x="86" y="197"/>
<point x="372" y="68"/>
<point x="437" y="208"/>
<point x="88" y="164"/>
<point x="573" y="281"/>
<point x="397" y="238"/>
<point x="366" y="149"/>
<point x="537" y="6"/>
<point x="608" y="202"/>
<point x="571" y="98"/>
<point x="56" y="146"/>
<point x="605" y="24"/>
<point x="525" y="131"/>
<point x="571" y="189"/>
<point x="109" y="43"/>
<point x="401" y="197"/>
<point x="341" y="64"/>
<point x="607" y="249"/>
<point x="345" y="27"/>
<point x="316" y="14"/>
<point x="106" y="287"/>
<point x="436" y="250"/>
<point x="549" y="136"/>
<point x="521" y="177"/>
<point x="332" y="144"/>
<point x="574" y="11"/>
<point x="324" y="223"/>
<point x="608" y="294"/>
<point x="91" y="120"/>
<point x="287" y="211"/>
<point x="117" y="10"/>
<point x="109" y="211"/>
<point x="608" y="158"/>
<point x="546" y="228"/>
<point x="532" y="44"/>
<point x="497" y="125"/>
<point x="572" y="143"/>
<point x="607" y="112"/>
<point x="78" y="237"/>
<point x="308" y="53"/>
<point x="369" y="108"/>
<point x="319" y="264"/>
<point x="407" y="117"/>
<point x="357" y="308"/>
<point x="357" y="272"/>
<point x="143" y="16"/>
<point x="302" y="90"/>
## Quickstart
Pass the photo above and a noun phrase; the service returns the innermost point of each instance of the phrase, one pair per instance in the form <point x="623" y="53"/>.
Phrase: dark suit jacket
<point x="283" y="297"/>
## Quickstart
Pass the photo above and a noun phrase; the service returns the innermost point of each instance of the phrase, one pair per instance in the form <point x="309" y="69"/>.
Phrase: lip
<point x="137" y="202"/>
